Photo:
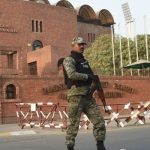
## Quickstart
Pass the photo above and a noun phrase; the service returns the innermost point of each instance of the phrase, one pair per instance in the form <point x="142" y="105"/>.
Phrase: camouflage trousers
<point x="77" y="105"/>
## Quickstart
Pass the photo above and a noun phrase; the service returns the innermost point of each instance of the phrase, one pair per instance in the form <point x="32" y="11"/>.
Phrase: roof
<point x="40" y="1"/>
<point x="86" y="12"/>
<point x="64" y="3"/>
<point x="106" y="17"/>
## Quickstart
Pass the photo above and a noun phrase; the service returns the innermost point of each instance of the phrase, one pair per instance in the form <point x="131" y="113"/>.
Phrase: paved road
<point x="130" y="138"/>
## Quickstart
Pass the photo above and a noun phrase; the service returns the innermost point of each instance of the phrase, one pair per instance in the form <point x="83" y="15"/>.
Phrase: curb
<point x="17" y="133"/>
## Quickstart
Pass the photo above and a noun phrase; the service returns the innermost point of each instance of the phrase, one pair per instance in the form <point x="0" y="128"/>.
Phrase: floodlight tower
<point x="128" y="20"/>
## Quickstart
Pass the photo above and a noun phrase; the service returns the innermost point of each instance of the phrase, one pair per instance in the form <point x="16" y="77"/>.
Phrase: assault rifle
<point x="98" y="87"/>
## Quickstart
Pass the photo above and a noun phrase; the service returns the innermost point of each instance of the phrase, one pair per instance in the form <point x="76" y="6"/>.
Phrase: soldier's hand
<point x="93" y="77"/>
<point x="107" y="110"/>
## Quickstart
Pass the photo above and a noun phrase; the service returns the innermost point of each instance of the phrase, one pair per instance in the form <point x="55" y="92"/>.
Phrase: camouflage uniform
<point x="78" y="102"/>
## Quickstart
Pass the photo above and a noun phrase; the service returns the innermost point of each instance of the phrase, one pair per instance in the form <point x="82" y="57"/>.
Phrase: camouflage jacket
<point x="69" y="65"/>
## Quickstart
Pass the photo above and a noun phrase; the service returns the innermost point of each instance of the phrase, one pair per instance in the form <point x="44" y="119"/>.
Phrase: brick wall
<point x="118" y="90"/>
<point x="0" y="113"/>
<point x="43" y="59"/>
<point x="85" y="28"/>
<point x="47" y="58"/>
<point x="59" y="27"/>
<point x="30" y="90"/>
<point x="133" y="89"/>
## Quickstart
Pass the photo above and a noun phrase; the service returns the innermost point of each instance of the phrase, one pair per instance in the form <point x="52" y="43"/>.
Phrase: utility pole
<point x="146" y="38"/>
<point x="136" y="45"/>
<point x="120" y="43"/>
<point x="113" y="48"/>
<point x="128" y="20"/>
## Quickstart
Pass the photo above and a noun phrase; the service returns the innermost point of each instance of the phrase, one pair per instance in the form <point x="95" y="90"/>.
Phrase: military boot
<point x="100" y="145"/>
<point x="70" y="147"/>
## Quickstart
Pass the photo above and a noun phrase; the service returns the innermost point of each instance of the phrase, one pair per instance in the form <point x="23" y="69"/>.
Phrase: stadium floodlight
<point x="127" y="13"/>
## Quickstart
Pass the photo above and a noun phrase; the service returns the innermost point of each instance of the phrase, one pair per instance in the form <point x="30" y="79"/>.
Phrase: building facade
<point x="34" y="35"/>
<point x="29" y="27"/>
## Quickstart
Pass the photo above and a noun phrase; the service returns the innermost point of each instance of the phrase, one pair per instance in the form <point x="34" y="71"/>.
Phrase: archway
<point x="37" y="45"/>
<point x="10" y="91"/>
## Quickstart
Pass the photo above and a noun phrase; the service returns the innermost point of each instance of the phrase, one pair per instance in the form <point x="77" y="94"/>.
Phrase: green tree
<point x="99" y="53"/>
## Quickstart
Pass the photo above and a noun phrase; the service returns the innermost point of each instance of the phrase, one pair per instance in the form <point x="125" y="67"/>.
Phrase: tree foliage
<point x="100" y="53"/>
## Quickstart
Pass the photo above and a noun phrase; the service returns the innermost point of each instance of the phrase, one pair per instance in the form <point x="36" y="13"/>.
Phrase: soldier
<point x="78" y="78"/>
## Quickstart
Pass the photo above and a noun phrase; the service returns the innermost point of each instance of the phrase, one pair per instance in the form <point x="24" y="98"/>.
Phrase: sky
<point x="138" y="8"/>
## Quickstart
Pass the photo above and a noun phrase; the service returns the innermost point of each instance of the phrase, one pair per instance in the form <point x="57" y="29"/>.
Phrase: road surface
<point x="129" y="138"/>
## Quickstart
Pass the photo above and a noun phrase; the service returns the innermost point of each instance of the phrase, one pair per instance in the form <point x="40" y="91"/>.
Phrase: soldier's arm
<point x="69" y="65"/>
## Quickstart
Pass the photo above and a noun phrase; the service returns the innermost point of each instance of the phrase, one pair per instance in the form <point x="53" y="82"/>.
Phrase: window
<point x="37" y="45"/>
<point x="10" y="92"/>
<point x="91" y="37"/>
<point x="10" y="61"/>
<point x="32" y="25"/>
<point x="33" y="68"/>
<point x="40" y="26"/>
<point x="37" y="26"/>
<point x="37" y="29"/>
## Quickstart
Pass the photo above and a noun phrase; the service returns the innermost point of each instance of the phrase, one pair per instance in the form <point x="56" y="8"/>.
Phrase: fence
<point x="54" y="115"/>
